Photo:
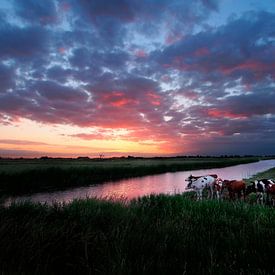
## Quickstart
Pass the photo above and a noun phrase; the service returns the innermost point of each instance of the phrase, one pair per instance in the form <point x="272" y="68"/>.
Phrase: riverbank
<point x="268" y="174"/>
<point x="29" y="176"/>
<point x="152" y="235"/>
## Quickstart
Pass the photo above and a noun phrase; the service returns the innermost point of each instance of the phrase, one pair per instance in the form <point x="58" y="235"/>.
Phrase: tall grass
<point x="150" y="235"/>
<point x="268" y="174"/>
<point x="17" y="177"/>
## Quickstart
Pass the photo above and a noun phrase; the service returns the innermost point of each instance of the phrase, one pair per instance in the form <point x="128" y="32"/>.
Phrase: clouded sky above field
<point x="151" y="77"/>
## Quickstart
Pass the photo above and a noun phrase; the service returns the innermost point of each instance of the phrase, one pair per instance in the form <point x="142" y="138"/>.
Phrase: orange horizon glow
<point x="36" y="140"/>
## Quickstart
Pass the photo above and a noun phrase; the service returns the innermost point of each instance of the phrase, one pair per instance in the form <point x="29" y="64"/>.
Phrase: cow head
<point x="190" y="180"/>
<point x="250" y="188"/>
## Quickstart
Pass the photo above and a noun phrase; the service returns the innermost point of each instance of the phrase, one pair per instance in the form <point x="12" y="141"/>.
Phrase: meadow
<point x="21" y="176"/>
<point x="151" y="235"/>
<point x="157" y="234"/>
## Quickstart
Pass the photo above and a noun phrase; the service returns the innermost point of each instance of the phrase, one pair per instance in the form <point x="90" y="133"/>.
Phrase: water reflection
<point x="168" y="183"/>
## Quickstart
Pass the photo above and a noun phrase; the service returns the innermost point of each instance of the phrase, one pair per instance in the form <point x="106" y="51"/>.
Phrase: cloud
<point x="53" y="91"/>
<point x="242" y="48"/>
<point x="23" y="42"/>
<point x="33" y="11"/>
<point x="21" y="142"/>
<point x="153" y="68"/>
<point x="6" y="78"/>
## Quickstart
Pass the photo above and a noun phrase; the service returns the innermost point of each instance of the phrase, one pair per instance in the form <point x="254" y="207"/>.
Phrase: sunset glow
<point x="142" y="78"/>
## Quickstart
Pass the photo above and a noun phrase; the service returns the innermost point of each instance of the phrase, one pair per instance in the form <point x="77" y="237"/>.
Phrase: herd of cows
<point x="263" y="188"/>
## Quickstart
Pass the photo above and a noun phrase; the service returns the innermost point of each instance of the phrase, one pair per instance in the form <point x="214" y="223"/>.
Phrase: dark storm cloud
<point x="12" y="103"/>
<point x="131" y="10"/>
<point x="32" y="11"/>
<point x="6" y="78"/>
<point x="242" y="48"/>
<point x="211" y="4"/>
<point x="53" y="91"/>
<point x="258" y="103"/>
<point x="60" y="74"/>
<point x="20" y="43"/>
<point x="111" y="20"/>
<point x="114" y="60"/>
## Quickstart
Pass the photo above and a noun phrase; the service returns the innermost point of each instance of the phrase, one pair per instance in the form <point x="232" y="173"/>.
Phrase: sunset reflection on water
<point x="168" y="183"/>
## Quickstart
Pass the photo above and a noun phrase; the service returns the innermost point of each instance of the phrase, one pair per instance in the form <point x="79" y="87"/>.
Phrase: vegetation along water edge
<point x="33" y="175"/>
<point x="157" y="234"/>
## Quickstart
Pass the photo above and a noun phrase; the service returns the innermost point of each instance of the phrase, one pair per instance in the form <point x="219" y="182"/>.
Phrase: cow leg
<point x="267" y="198"/>
<point x="261" y="198"/>
<point x="211" y="191"/>
<point x="200" y="194"/>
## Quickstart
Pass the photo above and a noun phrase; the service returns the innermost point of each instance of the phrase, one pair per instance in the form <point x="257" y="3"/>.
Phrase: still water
<point x="168" y="183"/>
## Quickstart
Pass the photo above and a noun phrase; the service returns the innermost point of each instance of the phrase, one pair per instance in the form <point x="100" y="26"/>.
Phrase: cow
<point x="260" y="188"/>
<point x="234" y="187"/>
<point x="271" y="192"/>
<point x="218" y="187"/>
<point x="200" y="183"/>
<point x="191" y="178"/>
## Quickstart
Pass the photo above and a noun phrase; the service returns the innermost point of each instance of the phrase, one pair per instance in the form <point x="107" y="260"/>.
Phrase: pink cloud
<point x="141" y="54"/>
<point x="190" y="94"/>
<point x="154" y="98"/>
<point x="214" y="112"/>
<point x="172" y="38"/>
<point x="259" y="68"/>
<point x="117" y="99"/>
<point x="21" y="142"/>
<point x="62" y="50"/>
<point x="202" y="52"/>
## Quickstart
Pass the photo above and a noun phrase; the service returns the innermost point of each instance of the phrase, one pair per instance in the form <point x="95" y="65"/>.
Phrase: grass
<point x="268" y="174"/>
<point x="27" y="176"/>
<point x="151" y="235"/>
<point x="157" y="234"/>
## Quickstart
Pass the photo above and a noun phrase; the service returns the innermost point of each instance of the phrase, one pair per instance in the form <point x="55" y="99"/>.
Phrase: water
<point x="168" y="183"/>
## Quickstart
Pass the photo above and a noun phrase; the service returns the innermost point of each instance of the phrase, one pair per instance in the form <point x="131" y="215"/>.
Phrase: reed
<point x="150" y="235"/>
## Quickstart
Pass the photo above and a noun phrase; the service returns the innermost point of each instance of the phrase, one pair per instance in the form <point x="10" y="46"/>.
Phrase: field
<point x="33" y="175"/>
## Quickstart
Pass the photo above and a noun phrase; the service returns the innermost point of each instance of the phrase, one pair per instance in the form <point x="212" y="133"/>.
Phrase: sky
<point x="137" y="77"/>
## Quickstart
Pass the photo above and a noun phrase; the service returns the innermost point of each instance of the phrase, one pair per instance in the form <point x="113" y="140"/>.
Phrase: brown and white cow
<point x="200" y="183"/>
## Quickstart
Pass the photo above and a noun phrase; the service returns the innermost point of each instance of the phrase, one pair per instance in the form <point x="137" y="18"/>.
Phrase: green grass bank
<point x="152" y="235"/>
<point x="27" y="176"/>
<point x="268" y="174"/>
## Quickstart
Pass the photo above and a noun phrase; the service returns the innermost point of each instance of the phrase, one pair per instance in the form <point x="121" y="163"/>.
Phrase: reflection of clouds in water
<point x="169" y="183"/>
